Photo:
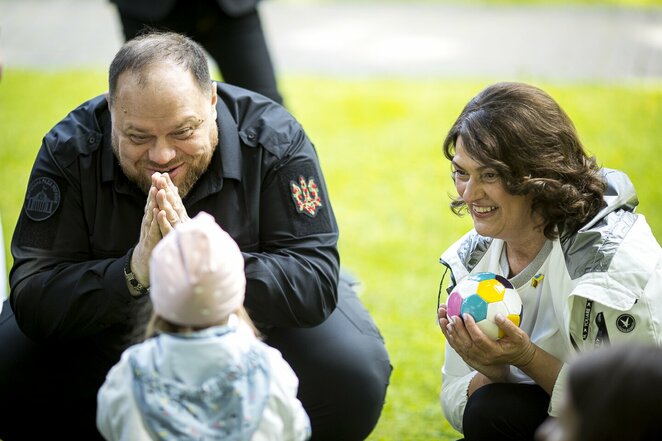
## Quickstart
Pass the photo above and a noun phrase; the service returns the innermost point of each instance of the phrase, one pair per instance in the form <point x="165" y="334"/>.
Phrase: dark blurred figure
<point x="613" y="395"/>
<point x="229" y="30"/>
<point x="3" y="274"/>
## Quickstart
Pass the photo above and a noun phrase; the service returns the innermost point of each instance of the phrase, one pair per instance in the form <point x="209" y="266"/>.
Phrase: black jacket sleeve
<point x="292" y="281"/>
<point x="60" y="287"/>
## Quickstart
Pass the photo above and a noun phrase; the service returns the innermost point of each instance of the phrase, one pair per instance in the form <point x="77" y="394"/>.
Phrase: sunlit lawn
<point x="577" y="3"/>
<point x="379" y="143"/>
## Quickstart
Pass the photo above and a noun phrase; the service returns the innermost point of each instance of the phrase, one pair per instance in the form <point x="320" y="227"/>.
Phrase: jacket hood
<point x="215" y="389"/>
<point x="620" y="194"/>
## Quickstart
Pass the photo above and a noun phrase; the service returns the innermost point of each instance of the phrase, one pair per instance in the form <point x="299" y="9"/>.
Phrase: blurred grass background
<point x="379" y="142"/>
<point x="626" y="3"/>
<point x="579" y="3"/>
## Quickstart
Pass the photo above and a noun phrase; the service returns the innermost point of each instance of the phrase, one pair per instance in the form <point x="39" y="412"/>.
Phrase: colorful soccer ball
<point x="484" y="295"/>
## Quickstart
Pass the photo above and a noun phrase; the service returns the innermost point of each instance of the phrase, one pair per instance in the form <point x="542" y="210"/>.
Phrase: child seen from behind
<point x="203" y="373"/>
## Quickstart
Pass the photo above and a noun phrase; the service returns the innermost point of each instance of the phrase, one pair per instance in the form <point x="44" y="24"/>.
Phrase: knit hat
<point x="197" y="274"/>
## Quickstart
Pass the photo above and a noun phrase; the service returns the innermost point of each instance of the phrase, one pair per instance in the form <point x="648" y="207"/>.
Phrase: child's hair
<point x="159" y="325"/>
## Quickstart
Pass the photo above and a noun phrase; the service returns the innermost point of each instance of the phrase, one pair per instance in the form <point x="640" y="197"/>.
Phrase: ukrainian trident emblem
<point x="306" y="196"/>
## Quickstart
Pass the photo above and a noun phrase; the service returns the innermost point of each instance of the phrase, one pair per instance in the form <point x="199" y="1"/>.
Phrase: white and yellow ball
<point x="483" y="296"/>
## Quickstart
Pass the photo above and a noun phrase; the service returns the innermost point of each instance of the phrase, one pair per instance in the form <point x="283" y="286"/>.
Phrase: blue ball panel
<point x="475" y="306"/>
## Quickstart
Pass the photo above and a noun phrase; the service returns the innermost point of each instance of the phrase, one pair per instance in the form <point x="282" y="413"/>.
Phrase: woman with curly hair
<point x="563" y="231"/>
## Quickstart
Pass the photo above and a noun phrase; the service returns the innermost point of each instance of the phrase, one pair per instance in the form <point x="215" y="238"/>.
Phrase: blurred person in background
<point x="229" y="30"/>
<point x="3" y="270"/>
<point x="613" y="395"/>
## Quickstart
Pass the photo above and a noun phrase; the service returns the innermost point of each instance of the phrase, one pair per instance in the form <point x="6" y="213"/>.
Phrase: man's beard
<point x="196" y="167"/>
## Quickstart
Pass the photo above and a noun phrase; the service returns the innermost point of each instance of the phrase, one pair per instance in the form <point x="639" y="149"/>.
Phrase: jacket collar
<point x="228" y="142"/>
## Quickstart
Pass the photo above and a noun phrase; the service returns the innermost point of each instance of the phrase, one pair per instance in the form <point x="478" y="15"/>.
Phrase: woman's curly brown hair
<point x="521" y="132"/>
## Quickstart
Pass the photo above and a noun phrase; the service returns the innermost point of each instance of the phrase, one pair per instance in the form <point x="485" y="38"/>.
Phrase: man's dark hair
<point x="155" y="47"/>
<point x="525" y="136"/>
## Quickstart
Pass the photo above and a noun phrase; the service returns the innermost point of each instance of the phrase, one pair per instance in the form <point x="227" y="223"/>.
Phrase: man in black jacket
<point x="229" y="30"/>
<point x="114" y="177"/>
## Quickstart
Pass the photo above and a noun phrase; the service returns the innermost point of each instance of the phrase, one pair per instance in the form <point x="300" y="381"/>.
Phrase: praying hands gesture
<point x="164" y="210"/>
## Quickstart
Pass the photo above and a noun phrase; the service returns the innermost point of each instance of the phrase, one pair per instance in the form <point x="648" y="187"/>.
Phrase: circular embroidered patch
<point x="625" y="323"/>
<point x="42" y="199"/>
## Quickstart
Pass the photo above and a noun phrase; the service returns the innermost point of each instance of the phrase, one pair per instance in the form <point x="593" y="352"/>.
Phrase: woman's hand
<point x="467" y="340"/>
<point x="494" y="358"/>
<point x="514" y="348"/>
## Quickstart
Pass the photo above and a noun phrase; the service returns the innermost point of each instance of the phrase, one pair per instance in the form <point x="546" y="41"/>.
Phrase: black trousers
<point x="343" y="369"/>
<point x="236" y="44"/>
<point x="505" y="411"/>
<point x="342" y="365"/>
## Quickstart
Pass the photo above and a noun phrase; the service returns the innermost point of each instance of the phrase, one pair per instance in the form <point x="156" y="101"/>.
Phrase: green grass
<point x="625" y="3"/>
<point x="379" y="142"/>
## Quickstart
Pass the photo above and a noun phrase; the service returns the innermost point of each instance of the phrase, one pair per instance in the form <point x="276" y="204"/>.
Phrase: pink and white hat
<point x="197" y="274"/>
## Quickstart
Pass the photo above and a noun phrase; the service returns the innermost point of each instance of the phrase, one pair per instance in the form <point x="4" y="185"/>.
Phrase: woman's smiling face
<point x="495" y="212"/>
